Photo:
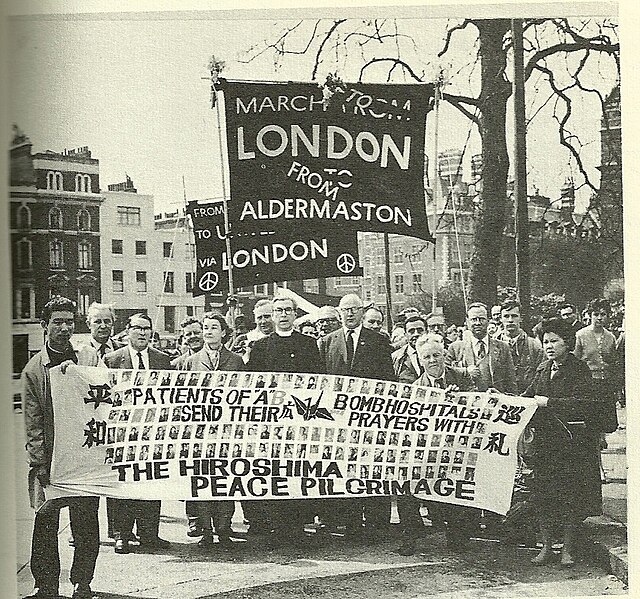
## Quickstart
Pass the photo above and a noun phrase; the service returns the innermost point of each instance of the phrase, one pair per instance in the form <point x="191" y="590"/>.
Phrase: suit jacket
<point x="200" y="361"/>
<point x="526" y="356"/>
<point x="402" y="365"/>
<point x="451" y="377"/>
<point x="296" y="353"/>
<point x="495" y="369"/>
<point x="372" y="356"/>
<point x="121" y="358"/>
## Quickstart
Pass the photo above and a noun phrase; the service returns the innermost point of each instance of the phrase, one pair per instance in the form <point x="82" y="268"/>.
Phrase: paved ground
<point x="337" y="568"/>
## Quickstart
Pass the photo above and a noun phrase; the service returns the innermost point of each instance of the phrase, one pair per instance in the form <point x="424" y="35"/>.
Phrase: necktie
<point x="438" y="383"/>
<point x="349" y="347"/>
<point x="554" y="369"/>
<point x="102" y="351"/>
<point x="482" y="352"/>
<point x="140" y="362"/>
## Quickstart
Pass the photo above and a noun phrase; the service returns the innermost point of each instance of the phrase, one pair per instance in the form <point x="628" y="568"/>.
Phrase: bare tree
<point x="562" y="53"/>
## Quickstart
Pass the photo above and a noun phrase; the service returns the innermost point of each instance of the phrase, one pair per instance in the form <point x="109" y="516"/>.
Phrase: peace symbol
<point x="346" y="263"/>
<point x="208" y="281"/>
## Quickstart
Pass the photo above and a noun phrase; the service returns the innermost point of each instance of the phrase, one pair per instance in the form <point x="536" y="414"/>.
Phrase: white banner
<point x="243" y="436"/>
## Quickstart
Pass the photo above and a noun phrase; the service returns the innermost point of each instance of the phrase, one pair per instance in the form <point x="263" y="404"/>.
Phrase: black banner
<point x="301" y="163"/>
<point x="267" y="256"/>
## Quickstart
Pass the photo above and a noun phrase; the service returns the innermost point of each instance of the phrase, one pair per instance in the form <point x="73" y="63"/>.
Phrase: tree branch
<point x="450" y="33"/>
<point x="397" y="62"/>
<point x="328" y="35"/>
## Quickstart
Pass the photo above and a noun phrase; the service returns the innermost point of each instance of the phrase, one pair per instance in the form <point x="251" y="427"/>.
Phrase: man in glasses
<point x="284" y="350"/>
<point x="355" y="351"/>
<point x="146" y="514"/>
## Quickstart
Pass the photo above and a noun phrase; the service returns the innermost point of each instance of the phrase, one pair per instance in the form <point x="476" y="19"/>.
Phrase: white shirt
<point x="134" y="357"/>
<point x="432" y="381"/>
<point x="356" y="336"/>
<point x="284" y="333"/>
<point x="476" y="346"/>
<point x="109" y="347"/>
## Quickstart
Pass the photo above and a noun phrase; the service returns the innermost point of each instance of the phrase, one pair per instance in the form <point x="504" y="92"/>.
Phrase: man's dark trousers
<point x="45" y="558"/>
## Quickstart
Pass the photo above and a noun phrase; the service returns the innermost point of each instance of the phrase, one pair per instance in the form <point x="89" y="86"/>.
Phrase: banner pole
<point x="225" y="198"/>
<point x="436" y="194"/>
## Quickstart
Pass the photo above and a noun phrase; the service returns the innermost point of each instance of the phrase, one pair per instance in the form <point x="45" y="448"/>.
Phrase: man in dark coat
<point x="284" y="350"/>
<point x="355" y="351"/>
<point x="138" y="355"/>
<point x="431" y="352"/>
<point x="487" y="360"/>
<point x="58" y="320"/>
<point x="405" y="360"/>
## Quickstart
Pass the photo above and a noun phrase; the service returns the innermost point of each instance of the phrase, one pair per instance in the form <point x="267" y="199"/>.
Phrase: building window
<point x="54" y="181"/>
<point x="84" y="301"/>
<point x="141" y="248"/>
<point x="308" y="285"/>
<point x="83" y="183"/>
<point x="398" y="256"/>
<point x="167" y="249"/>
<point x="170" y="319"/>
<point x="399" y="283"/>
<point x="24" y="302"/>
<point x="168" y="282"/>
<point x="117" y="278"/>
<point x="380" y="286"/>
<point x="367" y="295"/>
<point x="84" y="220"/>
<point x="84" y="254"/>
<point x="23" y="217"/>
<point x="190" y="311"/>
<point x="56" y="258"/>
<point x="189" y="278"/>
<point x="23" y="254"/>
<point x="141" y="281"/>
<point x="129" y="216"/>
<point x="117" y="247"/>
<point x="190" y="251"/>
<point x="55" y="218"/>
<point x="417" y="282"/>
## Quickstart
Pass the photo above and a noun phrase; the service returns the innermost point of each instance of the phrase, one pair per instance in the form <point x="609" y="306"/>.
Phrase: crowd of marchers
<point x="572" y="370"/>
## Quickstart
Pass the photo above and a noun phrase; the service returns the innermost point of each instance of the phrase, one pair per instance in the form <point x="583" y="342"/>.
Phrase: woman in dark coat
<point x="566" y="442"/>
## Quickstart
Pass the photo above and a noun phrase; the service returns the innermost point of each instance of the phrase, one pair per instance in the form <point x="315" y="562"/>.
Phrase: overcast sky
<point x="133" y="91"/>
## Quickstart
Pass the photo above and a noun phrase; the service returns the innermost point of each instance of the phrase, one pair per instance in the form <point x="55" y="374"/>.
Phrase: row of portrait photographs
<point x="279" y="450"/>
<point x="252" y="380"/>
<point x="132" y="425"/>
<point x="169" y="451"/>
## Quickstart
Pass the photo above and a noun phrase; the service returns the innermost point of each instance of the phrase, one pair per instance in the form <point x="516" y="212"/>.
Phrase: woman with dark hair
<point x="566" y="486"/>
<point x="596" y="346"/>
<point x="213" y="356"/>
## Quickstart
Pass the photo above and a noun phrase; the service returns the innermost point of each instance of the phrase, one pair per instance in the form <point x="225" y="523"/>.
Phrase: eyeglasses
<point x="136" y="327"/>
<point x="352" y="310"/>
<point x="326" y="320"/>
<point x="283" y="310"/>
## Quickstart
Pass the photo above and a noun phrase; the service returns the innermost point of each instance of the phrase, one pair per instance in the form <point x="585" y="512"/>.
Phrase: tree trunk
<point x="491" y="219"/>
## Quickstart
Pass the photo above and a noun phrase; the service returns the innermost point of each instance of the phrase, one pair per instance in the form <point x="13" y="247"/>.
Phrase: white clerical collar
<point x="284" y="333"/>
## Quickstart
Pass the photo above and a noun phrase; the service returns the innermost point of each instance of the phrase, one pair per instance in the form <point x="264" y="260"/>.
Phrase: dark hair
<point x="413" y="319"/>
<point x="139" y="315"/>
<point x="599" y="304"/>
<point x="58" y="304"/>
<point x="560" y="327"/>
<point x="226" y="329"/>
<point x="188" y="321"/>
<point x="509" y="305"/>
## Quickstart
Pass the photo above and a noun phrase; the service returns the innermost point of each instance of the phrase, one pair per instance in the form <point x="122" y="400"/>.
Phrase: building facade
<point x="55" y="204"/>
<point x="148" y="260"/>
